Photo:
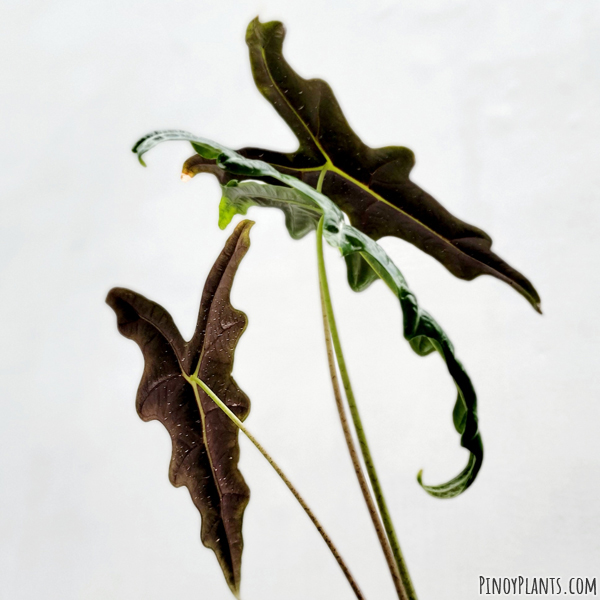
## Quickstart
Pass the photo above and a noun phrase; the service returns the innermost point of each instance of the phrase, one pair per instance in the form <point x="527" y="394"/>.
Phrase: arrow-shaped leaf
<point x="419" y="328"/>
<point x="205" y="442"/>
<point x="372" y="186"/>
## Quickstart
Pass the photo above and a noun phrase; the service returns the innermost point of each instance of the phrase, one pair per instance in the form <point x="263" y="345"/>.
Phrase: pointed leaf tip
<point x="260" y="34"/>
<point x="458" y="484"/>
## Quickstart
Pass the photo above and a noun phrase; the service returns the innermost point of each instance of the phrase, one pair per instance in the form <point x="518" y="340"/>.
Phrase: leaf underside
<point x="205" y="450"/>
<point x="372" y="186"/>
<point x="419" y="328"/>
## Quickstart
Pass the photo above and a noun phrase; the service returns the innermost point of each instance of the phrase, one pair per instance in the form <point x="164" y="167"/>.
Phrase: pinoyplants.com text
<point x="528" y="586"/>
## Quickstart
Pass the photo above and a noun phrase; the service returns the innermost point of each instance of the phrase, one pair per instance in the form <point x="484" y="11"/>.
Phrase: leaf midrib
<point x="190" y="380"/>
<point x="331" y="167"/>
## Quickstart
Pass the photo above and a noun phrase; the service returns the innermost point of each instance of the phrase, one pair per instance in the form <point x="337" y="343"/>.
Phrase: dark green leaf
<point x="205" y="442"/>
<point x="301" y="216"/>
<point x="372" y="186"/>
<point x="419" y="328"/>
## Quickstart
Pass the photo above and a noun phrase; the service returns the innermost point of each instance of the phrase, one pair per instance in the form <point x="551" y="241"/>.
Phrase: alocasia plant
<point x="304" y="206"/>
<point x="332" y="175"/>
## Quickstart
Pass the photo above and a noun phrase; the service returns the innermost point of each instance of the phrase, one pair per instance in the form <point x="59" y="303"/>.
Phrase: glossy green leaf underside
<point x="301" y="216"/>
<point x="419" y="328"/>
<point x="205" y="449"/>
<point x="372" y="186"/>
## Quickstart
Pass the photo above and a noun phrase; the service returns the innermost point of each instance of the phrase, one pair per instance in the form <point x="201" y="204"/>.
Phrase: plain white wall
<point x="499" y="101"/>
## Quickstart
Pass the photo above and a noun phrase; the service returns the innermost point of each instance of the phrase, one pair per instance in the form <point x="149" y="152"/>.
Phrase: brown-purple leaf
<point x="205" y="442"/>
<point x="371" y="185"/>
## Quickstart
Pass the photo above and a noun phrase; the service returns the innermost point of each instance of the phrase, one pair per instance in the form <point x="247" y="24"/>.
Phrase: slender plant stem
<point x="195" y="382"/>
<point x="362" y="439"/>
<point x="362" y="480"/>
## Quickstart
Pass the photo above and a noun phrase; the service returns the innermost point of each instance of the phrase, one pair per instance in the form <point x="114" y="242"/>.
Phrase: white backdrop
<point x="499" y="101"/>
